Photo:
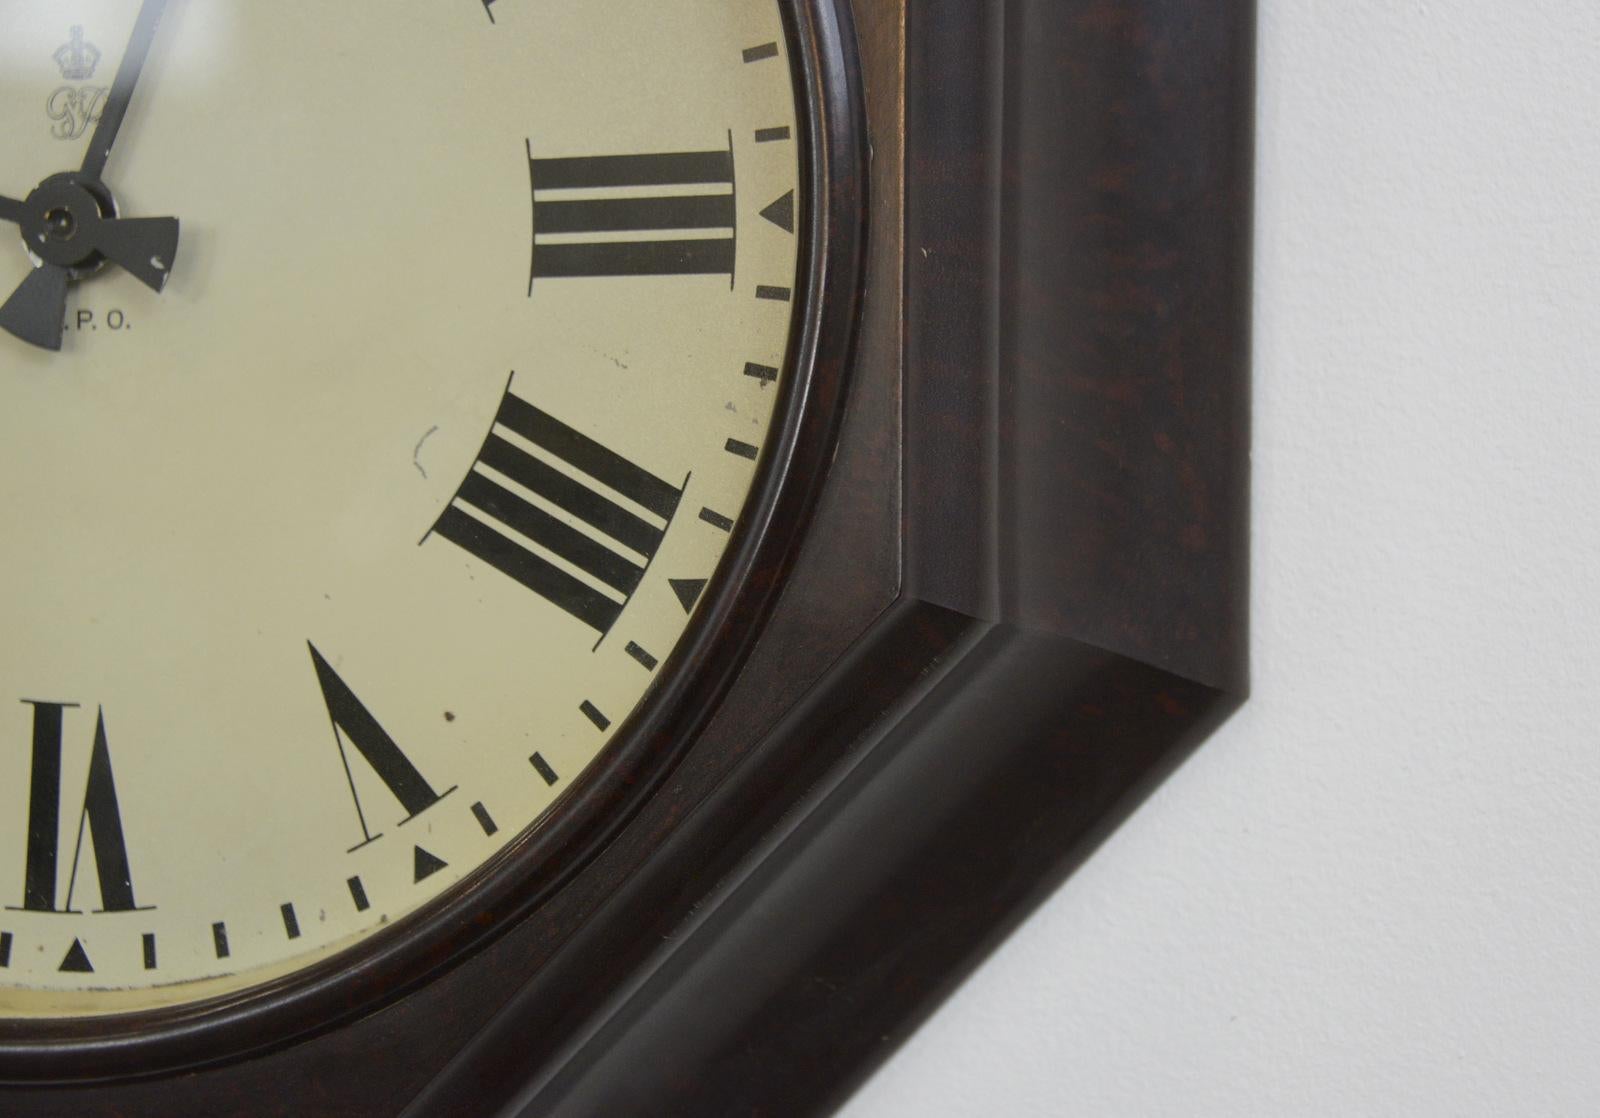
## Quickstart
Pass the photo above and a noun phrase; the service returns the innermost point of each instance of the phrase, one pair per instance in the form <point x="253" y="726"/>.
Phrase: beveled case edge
<point x="1041" y="686"/>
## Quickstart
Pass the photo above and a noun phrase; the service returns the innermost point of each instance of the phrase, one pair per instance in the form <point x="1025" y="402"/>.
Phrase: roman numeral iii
<point x="566" y="517"/>
<point x="101" y="817"/>
<point x="669" y="214"/>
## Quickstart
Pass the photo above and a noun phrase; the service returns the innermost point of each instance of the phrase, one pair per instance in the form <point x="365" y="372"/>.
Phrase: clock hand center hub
<point x="62" y="221"/>
<point x="63" y="226"/>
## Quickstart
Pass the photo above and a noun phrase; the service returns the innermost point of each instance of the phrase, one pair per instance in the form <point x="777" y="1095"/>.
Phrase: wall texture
<point x="1378" y="890"/>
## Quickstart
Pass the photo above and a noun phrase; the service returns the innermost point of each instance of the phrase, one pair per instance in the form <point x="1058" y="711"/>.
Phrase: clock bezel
<point x="381" y="968"/>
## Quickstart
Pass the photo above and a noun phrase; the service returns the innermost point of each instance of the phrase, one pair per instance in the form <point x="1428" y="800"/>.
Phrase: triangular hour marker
<point x="427" y="865"/>
<point x="77" y="960"/>
<point x="781" y="213"/>
<point x="688" y="591"/>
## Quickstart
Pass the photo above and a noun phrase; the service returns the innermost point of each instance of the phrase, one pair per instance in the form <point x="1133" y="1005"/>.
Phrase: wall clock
<point x="589" y="559"/>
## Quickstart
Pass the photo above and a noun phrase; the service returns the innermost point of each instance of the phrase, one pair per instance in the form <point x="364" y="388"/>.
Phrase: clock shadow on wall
<point x="947" y="670"/>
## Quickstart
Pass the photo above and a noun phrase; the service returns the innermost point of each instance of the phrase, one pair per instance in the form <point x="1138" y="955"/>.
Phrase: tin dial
<point x="342" y="542"/>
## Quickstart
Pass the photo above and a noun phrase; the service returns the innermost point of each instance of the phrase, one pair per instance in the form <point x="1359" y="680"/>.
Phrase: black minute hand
<point x="36" y="310"/>
<point x="69" y="223"/>
<point x="144" y="34"/>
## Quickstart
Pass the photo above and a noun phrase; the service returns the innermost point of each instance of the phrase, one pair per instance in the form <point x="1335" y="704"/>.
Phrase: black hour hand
<point x="71" y="230"/>
<point x="143" y="246"/>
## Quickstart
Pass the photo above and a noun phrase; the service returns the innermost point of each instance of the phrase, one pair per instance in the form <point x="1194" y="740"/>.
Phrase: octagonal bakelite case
<point x="1020" y="600"/>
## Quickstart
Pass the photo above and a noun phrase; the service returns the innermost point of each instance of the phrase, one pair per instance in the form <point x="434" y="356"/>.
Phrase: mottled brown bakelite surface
<point x="1020" y="602"/>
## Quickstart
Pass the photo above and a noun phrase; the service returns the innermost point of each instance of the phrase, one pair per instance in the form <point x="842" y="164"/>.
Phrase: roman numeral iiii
<point x="582" y="536"/>
<point x="670" y="214"/>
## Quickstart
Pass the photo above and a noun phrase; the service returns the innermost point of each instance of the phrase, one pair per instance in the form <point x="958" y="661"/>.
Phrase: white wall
<point x="1377" y="891"/>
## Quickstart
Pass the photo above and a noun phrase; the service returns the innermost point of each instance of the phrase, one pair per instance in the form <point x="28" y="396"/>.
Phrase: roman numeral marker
<point x="581" y="537"/>
<point x="354" y="722"/>
<point x="633" y="215"/>
<point x="101" y="817"/>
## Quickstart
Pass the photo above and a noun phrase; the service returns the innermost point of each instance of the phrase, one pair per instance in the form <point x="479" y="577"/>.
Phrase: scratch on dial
<point x="416" y="455"/>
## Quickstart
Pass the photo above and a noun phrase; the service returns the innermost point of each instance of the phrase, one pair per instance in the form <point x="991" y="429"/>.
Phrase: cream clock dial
<point x="381" y="387"/>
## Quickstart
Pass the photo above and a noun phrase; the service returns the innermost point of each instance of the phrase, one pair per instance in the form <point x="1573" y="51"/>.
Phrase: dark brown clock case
<point x="1015" y="602"/>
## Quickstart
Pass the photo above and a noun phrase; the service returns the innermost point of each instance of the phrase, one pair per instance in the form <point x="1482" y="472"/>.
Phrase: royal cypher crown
<point x="78" y="59"/>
